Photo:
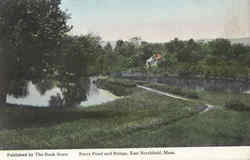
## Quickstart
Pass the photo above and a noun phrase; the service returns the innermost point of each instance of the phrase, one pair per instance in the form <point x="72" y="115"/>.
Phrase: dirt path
<point x="208" y="106"/>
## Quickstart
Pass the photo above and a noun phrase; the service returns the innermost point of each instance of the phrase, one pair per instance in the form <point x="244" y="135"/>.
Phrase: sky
<point x="158" y="20"/>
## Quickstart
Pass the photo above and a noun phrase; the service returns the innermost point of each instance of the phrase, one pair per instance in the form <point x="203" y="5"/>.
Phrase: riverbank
<point x="36" y="128"/>
<point x="141" y="119"/>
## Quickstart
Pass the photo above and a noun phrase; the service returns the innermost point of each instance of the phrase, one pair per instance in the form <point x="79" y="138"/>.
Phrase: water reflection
<point x="247" y="92"/>
<point x="97" y="96"/>
<point x="55" y="94"/>
<point x="34" y="98"/>
<point x="73" y="91"/>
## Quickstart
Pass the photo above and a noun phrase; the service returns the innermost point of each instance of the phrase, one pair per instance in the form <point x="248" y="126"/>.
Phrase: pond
<point x="247" y="92"/>
<point x="95" y="96"/>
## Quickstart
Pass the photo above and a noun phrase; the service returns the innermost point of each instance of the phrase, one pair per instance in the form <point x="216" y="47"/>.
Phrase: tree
<point x="125" y="48"/>
<point x="30" y="32"/>
<point x="175" y="46"/>
<point x="221" y="48"/>
<point x="108" y="48"/>
<point x="239" y="51"/>
<point x="148" y="50"/>
<point x="190" y="53"/>
<point x="118" y="46"/>
<point x="76" y="61"/>
<point x="136" y="41"/>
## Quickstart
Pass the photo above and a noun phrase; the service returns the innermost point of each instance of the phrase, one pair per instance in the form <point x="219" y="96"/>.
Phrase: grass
<point x="214" y="128"/>
<point x="30" y="117"/>
<point x="221" y="98"/>
<point x="142" y="119"/>
<point x="237" y="105"/>
<point x="174" y="90"/>
<point x="118" y="87"/>
<point x="210" y="97"/>
<point x="93" y="127"/>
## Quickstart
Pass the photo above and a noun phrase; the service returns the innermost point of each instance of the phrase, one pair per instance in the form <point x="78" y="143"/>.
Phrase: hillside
<point x="245" y="41"/>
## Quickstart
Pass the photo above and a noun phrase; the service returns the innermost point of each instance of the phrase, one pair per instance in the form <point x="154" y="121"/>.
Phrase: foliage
<point x="31" y="31"/>
<point x="56" y="56"/>
<point x="45" y="85"/>
<point x="35" y="48"/>
<point x="237" y="105"/>
<point x="216" y="58"/>
<point x="118" y="87"/>
<point x="19" y="89"/>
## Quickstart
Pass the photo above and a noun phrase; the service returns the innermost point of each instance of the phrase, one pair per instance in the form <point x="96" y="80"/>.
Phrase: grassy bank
<point x="119" y="87"/>
<point x="92" y="127"/>
<point x="174" y="90"/>
<point x="214" y="128"/>
<point x="142" y="119"/>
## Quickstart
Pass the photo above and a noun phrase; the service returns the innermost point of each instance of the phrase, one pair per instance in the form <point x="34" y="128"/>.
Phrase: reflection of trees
<point x="73" y="63"/>
<point x="44" y="85"/>
<point x="66" y="71"/>
<point x="74" y="92"/>
<point x="56" y="101"/>
<point x="19" y="89"/>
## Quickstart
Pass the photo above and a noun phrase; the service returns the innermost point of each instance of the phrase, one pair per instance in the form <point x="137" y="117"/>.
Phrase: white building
<point x="153" y="61"/>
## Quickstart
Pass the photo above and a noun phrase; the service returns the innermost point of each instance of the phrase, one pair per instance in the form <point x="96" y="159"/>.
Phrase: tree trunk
<point x="3" y="98"/>
<point x="4" y="84"/>
<point x="3" y="91"/>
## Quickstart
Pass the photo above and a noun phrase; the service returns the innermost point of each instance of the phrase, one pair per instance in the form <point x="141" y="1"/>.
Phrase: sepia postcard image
<point x="87" y="74"/>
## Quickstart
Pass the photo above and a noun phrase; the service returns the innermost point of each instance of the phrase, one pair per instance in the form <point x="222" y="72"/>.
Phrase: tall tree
<point x="76" y="61"/>
<point x="30" y="32"/>
<point x="221" y="48"/>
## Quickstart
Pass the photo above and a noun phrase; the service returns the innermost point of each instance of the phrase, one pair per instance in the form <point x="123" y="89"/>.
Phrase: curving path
<point x="208" y="106"/>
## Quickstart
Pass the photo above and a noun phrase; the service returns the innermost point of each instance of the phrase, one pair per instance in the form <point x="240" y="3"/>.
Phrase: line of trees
<point x="35" y="47"/>
<point x="216" y="58"/>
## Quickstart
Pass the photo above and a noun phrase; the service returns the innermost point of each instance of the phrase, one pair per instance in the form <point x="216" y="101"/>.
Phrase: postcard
<point x="113" y="79"/>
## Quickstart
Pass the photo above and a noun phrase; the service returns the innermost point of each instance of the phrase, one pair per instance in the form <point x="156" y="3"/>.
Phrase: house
<point x="153" y="61"/>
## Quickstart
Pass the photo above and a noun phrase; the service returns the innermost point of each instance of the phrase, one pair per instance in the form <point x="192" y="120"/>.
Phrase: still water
<point x="95" y="96"/>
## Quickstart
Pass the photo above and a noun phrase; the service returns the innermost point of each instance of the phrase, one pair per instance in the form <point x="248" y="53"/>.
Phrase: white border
<point x="189" y="153"/>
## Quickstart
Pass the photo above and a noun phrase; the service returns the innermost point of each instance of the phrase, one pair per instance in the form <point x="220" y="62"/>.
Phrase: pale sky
<point x="157" y="20"/>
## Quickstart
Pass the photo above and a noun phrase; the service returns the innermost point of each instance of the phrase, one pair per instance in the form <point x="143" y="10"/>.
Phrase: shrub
<point x="118" y="87"/>
<point x="123" y="82"/>
<point x="237" y="105"/>
<point x="190" y="94"/>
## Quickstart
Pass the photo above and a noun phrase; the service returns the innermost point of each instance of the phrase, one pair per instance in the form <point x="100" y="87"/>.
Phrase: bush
<point x="122" y="82"/>
<point x="118" y="87"/>
<point x="237" y="105"/>
<point x="190" y="94"/>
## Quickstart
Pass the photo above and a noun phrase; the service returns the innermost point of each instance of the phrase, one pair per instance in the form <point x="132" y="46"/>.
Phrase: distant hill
<point x="245" y="41"/>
